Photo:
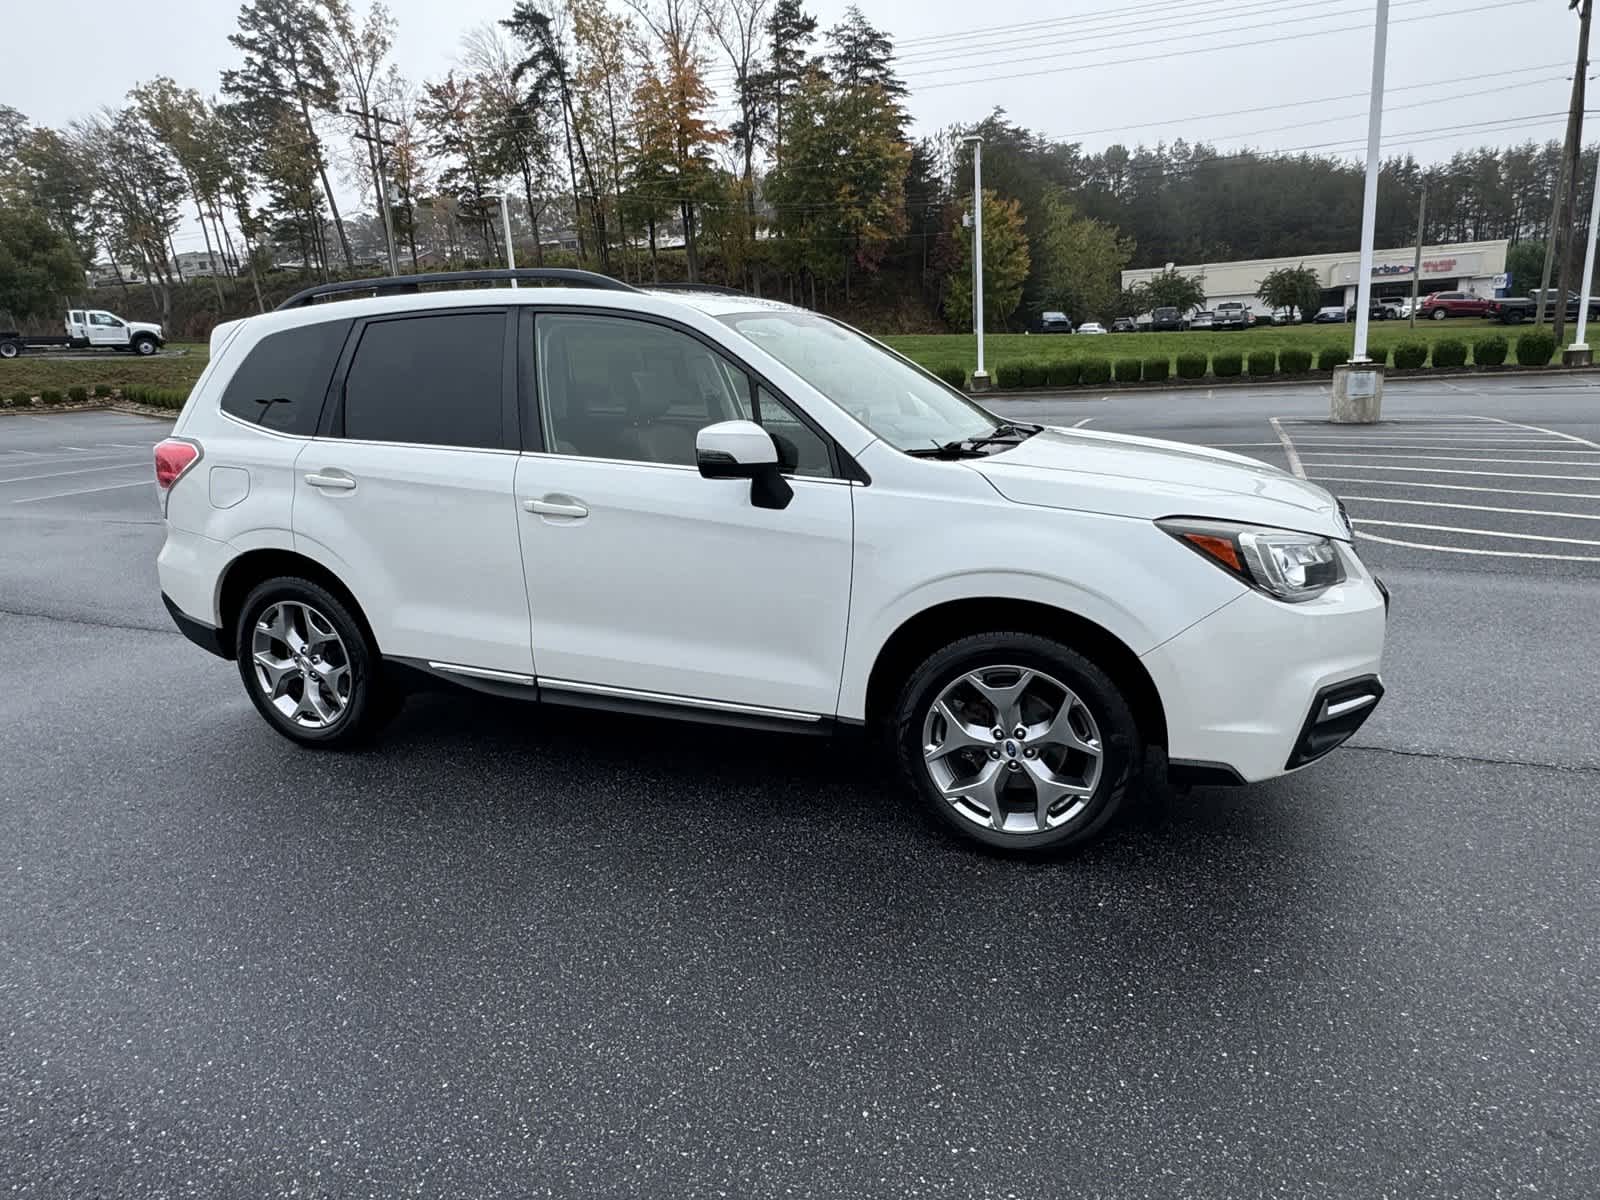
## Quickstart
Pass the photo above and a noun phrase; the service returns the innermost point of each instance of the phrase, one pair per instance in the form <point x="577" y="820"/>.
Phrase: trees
<point x="286" y="67"/>
<point x="683" y="98"/>
<point x="790" y="30"/>
<point x="737" y="26"/>
<point x="1294" y="288"/>
<point x="1524" y="263"/>
<point x="448" y="113"/>
<point x="1005" y="264"/>
<point x="356" y="53"/>
<point x="860" y="54"/>
<point x="39" y="269"/>
<point x="1174" y="289"/>
<point x="839" y="222"/>
<point x="1078" y="261"/>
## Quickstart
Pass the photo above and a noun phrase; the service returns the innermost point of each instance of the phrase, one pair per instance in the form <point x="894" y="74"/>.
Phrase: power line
<point x="1095" y="64"/>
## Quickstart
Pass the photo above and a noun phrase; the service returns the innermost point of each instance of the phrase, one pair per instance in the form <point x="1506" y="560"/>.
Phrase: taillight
<point x="173" y="457"/>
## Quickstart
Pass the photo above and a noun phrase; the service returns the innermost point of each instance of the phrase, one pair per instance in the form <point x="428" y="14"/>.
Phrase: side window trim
<point x="840" y="466"/>
<point x="332" y="422"/>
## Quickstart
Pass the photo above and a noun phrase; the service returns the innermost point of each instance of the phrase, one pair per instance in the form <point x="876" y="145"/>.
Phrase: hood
<point x="1127" y="476"/>
<point x="144" y="327"/>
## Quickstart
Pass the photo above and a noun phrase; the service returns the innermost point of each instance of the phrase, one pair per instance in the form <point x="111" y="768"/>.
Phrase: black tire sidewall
<point x="362" y="708"/>
<point x="1119" y="733"/>
<point x="144" y="346"/>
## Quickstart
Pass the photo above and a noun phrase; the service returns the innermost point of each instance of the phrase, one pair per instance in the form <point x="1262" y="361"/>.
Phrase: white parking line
<point x="1324" y="455"/>
<point x="64" y="460"/>
<point x="1453" y="471"/>
<point x="149" y="483"/>
<point x="1450" y="487"/>
<point x="1387" y="541"/>
<point x="1570" y="437"/>
<point x="1526" y="512"/>
<point x="1289" y="451"/>
<point x="78" y="471"/>
<point x="1082" y="423"/>
<point x="1495" y="533"/>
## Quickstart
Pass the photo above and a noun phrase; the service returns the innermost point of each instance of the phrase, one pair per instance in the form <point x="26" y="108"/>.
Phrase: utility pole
<point x="375" y="144"/>
<point x="1558" y="201"/>
<point x="505" y="224"/>
<point x="1416" y="258"/>
<point x="1574" y="155"/>
<point x="980" y="377"/>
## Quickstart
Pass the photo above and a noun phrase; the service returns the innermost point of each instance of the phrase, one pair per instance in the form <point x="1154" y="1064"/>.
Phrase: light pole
<point x="1369" y="198"/>
<point x="505" y="224"/>
<point x="1578" y="354"/>
<point x="1357" y="395"/>
<point x="980" y="377"/>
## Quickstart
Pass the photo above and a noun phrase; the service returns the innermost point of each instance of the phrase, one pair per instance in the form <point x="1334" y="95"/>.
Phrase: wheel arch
<point x="254" y="567"/>
<point x="941" y="624"/>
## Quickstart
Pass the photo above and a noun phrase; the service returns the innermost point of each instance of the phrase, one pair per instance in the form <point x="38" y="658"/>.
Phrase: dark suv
<point x="1166" y="320"/>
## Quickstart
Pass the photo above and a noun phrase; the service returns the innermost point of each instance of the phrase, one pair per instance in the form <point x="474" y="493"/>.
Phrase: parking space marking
<point x="1499" y="533"/>
<point x="1373" y="537"/>
<point x="1082" y="423"/>
<point x="111" y="487"/>
<point x="64" y="460"/>
<point x="1342" y="455"/>
<point x="1469" y="458"/>
<point x="76" y="471"/>
<point x="1289" y="451"/>
<point x="1528" y="512"/>
<point x="1452" y="487"/>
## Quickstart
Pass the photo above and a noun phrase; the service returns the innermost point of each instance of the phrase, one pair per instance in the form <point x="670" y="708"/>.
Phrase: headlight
<point x="1291" y="566"/>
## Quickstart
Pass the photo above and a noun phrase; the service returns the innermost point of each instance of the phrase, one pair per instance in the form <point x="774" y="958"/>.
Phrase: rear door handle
<point x="340" y="483"/>
<point x="552" y="507"/>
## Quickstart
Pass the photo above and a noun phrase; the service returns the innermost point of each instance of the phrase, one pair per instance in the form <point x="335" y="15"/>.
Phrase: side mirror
<point x="743" y="450"/>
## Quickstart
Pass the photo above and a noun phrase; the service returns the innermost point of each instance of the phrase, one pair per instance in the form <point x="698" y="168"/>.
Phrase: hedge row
<point x="1533" y="349"/>
<point x="155" y="397"/>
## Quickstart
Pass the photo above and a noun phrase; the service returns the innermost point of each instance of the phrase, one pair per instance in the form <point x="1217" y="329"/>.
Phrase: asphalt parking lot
<point x="514" y="953"/>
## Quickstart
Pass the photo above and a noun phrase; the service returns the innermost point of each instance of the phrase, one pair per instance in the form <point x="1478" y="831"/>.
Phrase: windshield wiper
<point x="1009" y="432"/>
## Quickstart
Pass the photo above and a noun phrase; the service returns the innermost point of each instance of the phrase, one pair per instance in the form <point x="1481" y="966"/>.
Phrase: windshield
<point x="901" y="403"/>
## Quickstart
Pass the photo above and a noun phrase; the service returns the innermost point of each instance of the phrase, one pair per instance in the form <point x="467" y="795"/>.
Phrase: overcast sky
<point x="1098" y="71"/>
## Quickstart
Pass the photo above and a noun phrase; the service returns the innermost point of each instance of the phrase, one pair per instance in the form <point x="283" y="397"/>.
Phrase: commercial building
<point x="198" y="264"/>
<point x="1477" y="267"/>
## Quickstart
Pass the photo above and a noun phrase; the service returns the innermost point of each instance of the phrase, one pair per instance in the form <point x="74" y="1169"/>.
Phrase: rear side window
<point x="434" y="380"/>
<point x="283" y="380"/>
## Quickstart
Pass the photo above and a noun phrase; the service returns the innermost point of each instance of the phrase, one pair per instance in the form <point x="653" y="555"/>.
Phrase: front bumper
<point x="1244" y="690"/>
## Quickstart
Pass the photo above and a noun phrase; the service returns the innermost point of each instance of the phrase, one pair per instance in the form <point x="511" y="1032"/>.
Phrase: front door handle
<point x="341" y="483"/>
<point x="551" y="506"/>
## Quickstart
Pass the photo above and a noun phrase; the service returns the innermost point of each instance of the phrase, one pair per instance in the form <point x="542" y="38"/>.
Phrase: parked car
<point x="1200" y="320"/>
<point x="1513" y="310"/>
<point x="1091" y="327"/>
<point x="500" y="489"/>
<point x="88" y="329"/>
<point x="1440" y="305"/>
<point x="1124" y="325"/>
<point x="1166" y="320"/>
<point x="1054" y="322"/>
<point x="1231" y="314"/>
<point x="1330" y="315"/>
<point x="1378" y="310"/>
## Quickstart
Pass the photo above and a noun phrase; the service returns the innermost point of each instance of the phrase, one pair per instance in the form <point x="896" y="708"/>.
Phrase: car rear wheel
<point x="308" y="664"/>
<point x="9" y="349"/>
<point x="1017" y="742"/>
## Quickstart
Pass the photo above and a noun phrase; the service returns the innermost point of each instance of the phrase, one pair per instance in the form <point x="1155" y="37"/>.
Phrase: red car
<point x="1454" y="304"/>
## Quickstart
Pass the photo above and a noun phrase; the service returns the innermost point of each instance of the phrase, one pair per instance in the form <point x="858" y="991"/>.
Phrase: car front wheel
<point x="1017" y="742"/>
<point x="1439" y="314"/>
<point x="308" y="664"/>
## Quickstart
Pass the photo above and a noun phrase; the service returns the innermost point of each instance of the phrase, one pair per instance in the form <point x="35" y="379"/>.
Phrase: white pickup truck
<point x="89" y="328"/>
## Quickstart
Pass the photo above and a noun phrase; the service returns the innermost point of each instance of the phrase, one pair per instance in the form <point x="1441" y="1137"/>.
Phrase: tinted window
<point x="282" y="381"/>
<point x="433" y="379"/>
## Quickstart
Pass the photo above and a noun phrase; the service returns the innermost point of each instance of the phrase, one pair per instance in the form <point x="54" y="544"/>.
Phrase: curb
<point x="133" y="410"/>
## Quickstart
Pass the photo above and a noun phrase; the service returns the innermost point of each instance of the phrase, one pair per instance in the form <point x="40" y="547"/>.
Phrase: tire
<point x="1439" y="314"/>
<point x="10" y="349"/>
<point x="358" y="700"/>
<point x="1511" y="316"/>
<point x="144" y="345"/>
<point x="1097" y="717"/>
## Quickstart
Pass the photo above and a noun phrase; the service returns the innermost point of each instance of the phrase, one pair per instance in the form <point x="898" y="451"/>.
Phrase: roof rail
<point x="715" y="289"/>
<point x="411" y="283"/>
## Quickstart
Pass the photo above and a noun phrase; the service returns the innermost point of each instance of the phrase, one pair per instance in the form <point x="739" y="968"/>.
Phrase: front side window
<point x="614" y="387"/>
<point x="431" y="380"/>
<point x="284" y="379"/>
<point x="902" y="404"/>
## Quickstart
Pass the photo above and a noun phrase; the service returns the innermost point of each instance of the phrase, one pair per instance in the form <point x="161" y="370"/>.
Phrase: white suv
<point x="711" y="506"/>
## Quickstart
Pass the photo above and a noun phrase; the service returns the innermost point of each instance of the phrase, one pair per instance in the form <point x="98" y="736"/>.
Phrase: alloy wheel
<point x="1012" y="749"/>
<point x="301" y="665"/>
